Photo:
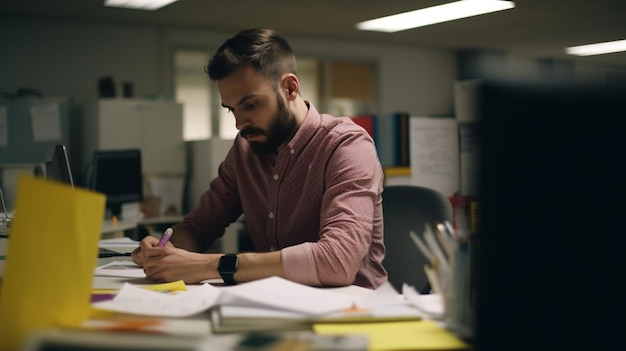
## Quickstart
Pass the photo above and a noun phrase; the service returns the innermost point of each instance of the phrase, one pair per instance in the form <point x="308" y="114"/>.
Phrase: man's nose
<point x="240" y="122"/>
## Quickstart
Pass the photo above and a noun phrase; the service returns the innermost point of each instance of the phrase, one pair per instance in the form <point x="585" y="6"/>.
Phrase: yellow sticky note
<point x="178" y="285"/>
<point x="51" y="256"/>
<point x="413" y="335"/>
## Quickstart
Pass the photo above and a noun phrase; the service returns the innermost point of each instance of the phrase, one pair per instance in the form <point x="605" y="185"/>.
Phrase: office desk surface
<point x="119" y="331"/>
<point x="190" y="333"/>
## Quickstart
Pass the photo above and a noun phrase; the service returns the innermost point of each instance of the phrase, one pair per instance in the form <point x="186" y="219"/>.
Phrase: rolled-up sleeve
<point x="350" y="235"/>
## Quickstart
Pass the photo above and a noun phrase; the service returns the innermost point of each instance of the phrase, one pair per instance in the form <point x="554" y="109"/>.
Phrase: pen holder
<point x="458" y="299"/>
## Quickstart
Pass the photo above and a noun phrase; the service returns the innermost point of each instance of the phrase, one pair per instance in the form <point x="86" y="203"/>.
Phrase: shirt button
<point x="275" y="176"/>
<point x="292" y="151"/>
<point x="271" y="215"/>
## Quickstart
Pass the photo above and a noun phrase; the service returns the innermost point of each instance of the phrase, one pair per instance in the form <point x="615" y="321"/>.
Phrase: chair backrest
<point x="406" y="208"/>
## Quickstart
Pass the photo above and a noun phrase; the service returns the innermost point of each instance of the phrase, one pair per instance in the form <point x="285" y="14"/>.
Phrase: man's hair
<point x="262" y="48"/>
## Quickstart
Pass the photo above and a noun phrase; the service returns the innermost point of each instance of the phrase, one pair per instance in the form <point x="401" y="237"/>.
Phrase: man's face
<point x="261" y="113"/>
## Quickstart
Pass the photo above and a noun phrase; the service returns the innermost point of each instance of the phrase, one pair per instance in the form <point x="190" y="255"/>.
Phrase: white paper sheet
<point x="122" y="245"/>
<point x="273" y="293"/>
<point x="286" y="295"/>
<point x="122" y="269"/>
<point x="430" y="304"/>
<point x="133" y="299"/>
<point x="46" y="122"/>
<point x="435" y="154"/>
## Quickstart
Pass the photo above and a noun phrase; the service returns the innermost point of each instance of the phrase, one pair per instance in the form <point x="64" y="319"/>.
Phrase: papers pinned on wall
<point x="435" y="154"/>
<point x="46" y="122"/>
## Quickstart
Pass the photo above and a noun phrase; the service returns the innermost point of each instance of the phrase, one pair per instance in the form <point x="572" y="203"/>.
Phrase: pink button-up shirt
<point x="318" y="200"/>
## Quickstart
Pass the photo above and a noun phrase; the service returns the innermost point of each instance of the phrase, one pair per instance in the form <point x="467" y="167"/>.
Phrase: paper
<point x="134" y="299"/>
<point x="435" y="154"/>
<point x="49" y="267"/>
<point x="46" y="122"/>
<point x="122" y="245"/>
<point x="430" y="304"/>
<point x="122" y="269"/>
<point x="274" y="292"/>
<point x="414" y="335"/>
<point x="286" y="295"/>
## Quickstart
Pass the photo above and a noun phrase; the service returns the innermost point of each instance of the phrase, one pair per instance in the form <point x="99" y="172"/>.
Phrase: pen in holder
<point x="449" y="273"/>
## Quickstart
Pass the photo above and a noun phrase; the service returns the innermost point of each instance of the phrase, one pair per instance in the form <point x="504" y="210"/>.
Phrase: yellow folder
<point x="51" y="255"/>
<point x="397" y="336"/>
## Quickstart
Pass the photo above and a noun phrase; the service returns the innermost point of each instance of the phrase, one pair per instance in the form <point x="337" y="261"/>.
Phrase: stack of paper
<point x="266" y="304"/>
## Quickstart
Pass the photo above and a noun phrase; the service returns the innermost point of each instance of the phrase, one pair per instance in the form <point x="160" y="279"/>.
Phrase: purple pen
<point x="167" y="234"/>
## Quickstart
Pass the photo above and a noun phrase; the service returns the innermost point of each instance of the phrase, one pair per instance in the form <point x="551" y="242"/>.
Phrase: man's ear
<point x="291" y="86"/>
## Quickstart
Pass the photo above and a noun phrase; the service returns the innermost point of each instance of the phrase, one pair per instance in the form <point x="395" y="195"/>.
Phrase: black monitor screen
<point x="118" y="175"/>
<point x="58" y="168"/>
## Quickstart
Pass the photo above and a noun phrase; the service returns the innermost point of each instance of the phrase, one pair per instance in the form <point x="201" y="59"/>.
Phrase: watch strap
<point x="226" y="270"/>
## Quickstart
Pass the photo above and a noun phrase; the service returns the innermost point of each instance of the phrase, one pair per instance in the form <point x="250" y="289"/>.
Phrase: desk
<point x="191" y="333"/>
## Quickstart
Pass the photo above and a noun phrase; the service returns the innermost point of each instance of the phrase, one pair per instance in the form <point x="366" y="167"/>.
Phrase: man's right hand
<point x="147" y="242"/>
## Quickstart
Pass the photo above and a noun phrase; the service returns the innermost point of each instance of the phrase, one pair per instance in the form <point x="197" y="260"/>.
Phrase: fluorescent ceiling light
<point x="597" y="49"/>
<point x="139" y="4"/>
<point x="435" y="14"/>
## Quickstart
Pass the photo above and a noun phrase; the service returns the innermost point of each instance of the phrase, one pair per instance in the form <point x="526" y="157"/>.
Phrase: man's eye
<point x="251" y="106"/>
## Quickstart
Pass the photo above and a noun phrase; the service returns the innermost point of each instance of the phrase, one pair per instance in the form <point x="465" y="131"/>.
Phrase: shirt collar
<point x="307" y="129"/>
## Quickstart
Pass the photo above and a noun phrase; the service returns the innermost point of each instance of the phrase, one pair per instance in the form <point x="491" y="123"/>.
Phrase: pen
<point x="421" y="245"/>
<point x="167" y="234"/>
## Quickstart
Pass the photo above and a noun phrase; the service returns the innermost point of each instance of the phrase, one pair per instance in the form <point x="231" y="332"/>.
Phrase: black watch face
<point x="228" y="263"/>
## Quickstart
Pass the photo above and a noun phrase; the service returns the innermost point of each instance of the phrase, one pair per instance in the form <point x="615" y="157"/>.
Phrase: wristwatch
<point x="227" y="267"/>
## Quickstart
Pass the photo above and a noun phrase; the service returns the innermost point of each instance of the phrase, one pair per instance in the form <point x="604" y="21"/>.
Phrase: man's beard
<point x="281" y="129"/>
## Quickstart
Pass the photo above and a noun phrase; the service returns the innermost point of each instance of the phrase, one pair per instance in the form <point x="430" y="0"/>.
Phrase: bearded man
<point x="309" y="185"/>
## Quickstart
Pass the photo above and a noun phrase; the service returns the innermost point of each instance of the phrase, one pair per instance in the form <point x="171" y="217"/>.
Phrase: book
<point x="403" y="139"/>
<point x="368" y="122"/>
<point x="225" y="319"/>
<point x="381" y="305"/>
<point x="392" y="139"/>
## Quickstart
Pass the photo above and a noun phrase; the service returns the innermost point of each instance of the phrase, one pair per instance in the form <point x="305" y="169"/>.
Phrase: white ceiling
<point x="534" y="28"/>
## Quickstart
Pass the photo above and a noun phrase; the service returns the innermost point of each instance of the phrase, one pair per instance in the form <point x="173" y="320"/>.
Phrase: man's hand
<point x="147" y="242"/>
<point x="168" y="263"/>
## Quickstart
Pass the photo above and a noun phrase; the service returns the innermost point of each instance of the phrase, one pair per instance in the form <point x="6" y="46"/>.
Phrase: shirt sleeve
<point x="351" y="209"/>
<point x="297" y="262"/>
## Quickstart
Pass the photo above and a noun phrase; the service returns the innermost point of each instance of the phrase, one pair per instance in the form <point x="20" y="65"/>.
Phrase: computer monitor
<point x="58" y="168"/>
<point x="118" y="175"/>
<point x="549" y="263"/>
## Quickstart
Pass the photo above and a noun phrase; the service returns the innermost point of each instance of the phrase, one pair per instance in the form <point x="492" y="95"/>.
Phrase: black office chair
<point x="406" y="208"/>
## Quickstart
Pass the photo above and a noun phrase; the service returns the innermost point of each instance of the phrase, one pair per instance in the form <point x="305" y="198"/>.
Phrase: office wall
<point x="67" y="59"/>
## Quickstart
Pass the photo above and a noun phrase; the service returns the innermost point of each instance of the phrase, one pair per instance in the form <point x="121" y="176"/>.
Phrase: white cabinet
<point x="155" y="127"/>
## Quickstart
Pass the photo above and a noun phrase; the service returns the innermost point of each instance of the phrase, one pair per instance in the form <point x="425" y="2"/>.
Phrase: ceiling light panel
<point x="150" y="5"/>
<point x="597" y="49"/>
<point x="435" y="14"/>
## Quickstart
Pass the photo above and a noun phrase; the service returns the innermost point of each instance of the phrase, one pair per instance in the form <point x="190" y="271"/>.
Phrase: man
<point x="309" y="185"/>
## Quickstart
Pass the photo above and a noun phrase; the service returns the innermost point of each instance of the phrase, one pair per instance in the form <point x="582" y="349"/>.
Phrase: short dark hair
<point x="262" y="48"/>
